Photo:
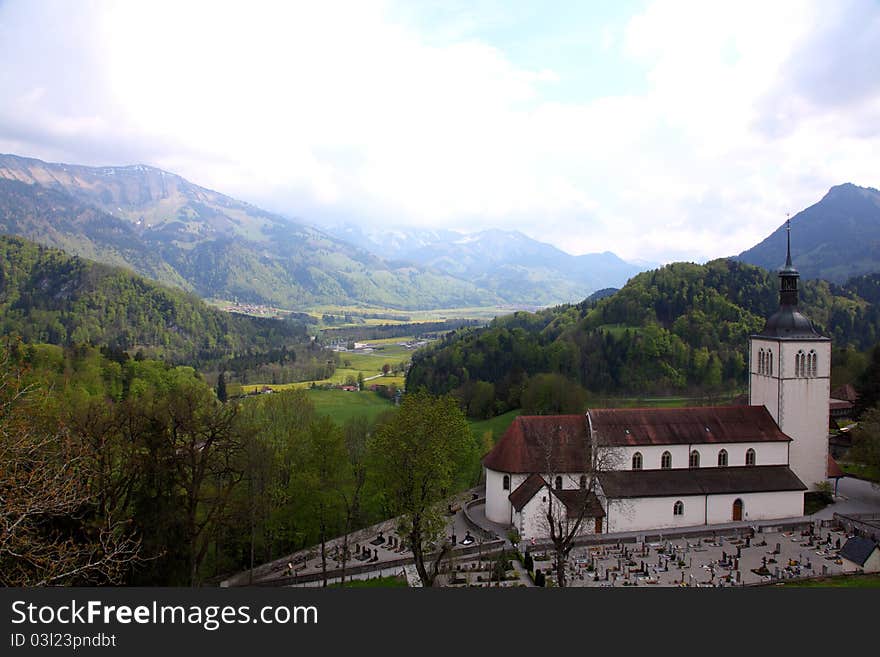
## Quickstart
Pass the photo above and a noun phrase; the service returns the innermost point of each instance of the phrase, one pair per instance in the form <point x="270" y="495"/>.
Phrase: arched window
<point x="770" y="366"/>
<point x="678" y="508"/>
<point x="750" y="456"/>
<point x="666" y="461"/>
<point x="637" y="461"/>
<point x="761" y="361"/>
<point x="811" y="363"/>
<point x="800" y="364"/>
<point x="695" y="459"/>
<point x="722" y="458"/>
<point x="583" y="482"/>
<point x="558" y="483"/>
<point x="505" y="483"/>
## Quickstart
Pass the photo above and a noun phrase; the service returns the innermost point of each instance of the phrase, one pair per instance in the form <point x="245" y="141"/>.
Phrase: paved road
<point x="854" y="496"/>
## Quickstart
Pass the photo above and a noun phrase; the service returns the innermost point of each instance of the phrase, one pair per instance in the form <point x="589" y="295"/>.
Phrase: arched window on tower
<point x="800" y="364"/>
<point x="666" y="461"/>
<point x="505" y="483"/>
<point x="678" y="508"/>
<point x="583" y="482"/>
<point x="637" y="461"/>
<point x="694" y="461"/>
<point x="761" y="361"/>
<point x="558" y="483"/>
<point x="811" y="363"/>
<point x="750" y="456"/>
<point x="770" y="361"/>
<point x="722" y="458"/>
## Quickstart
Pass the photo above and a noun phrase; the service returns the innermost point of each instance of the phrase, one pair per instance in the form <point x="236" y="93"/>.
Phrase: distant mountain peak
<point x="835" y="239"/>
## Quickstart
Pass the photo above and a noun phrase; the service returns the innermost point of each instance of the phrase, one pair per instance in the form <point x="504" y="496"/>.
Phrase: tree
<point x="868" y="385"/>
<point x="566" y="511"/>
<point x="49" y="531"/>
<point x="321" y="471"/>
<point x="360" y="381"/>
<point x="386" y="368"/>
<point x="356" y="432"/>
<point x="221" y="388"/>
<point x="419" y="455"/>
<point x="866" y="440"/>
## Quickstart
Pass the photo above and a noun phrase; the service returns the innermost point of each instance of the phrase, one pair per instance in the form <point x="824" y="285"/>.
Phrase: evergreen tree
<point x="222" y="395"/>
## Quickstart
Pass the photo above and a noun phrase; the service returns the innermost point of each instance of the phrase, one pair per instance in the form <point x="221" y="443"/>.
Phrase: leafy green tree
<point x="419" y="457"/>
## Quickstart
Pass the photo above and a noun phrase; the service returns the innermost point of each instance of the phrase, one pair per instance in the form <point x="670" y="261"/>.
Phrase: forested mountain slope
<point x="681" y="327"/>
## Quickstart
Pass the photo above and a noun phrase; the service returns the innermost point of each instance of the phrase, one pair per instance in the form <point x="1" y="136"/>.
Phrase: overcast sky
<point x="657" y="130"/>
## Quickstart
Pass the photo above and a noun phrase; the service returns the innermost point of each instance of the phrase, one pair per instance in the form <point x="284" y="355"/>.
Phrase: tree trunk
<point x="560" y="567"/>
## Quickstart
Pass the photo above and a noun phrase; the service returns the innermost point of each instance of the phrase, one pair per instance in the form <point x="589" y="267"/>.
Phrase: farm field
<point x="368" y="364"/>
<point x="342" y="406"/>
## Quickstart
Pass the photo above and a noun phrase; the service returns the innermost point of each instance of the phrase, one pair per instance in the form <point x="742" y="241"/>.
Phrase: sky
<point x="659" y="130"/>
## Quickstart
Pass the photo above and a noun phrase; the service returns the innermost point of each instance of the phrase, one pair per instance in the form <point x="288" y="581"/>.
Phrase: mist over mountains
<point x="169" y="229"/>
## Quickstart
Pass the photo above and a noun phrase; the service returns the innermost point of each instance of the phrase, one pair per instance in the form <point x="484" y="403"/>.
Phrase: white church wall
<point x="756" y="506"/>
<point x="766" y="453"/>
<point x="803" y="411"/>
<point x="653" y="513"/>
<point x="498" y="507"/>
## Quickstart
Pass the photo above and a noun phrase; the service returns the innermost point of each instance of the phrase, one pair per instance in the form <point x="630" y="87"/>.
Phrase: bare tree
<point x="49" y="531"/>
<point x="568" y="511"/>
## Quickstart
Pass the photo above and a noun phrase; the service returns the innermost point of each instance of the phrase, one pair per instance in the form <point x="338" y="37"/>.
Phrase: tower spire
<point x="788" y="275"/>
<point x="788" y="242"/>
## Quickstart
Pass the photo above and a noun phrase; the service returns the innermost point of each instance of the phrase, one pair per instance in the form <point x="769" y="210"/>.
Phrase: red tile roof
<point x="685" y="426"/>
<point x="846" y="392"/>
<point x="558" y="443"/>
<point x="833" y="470"/>
<point x="542" y="443"/>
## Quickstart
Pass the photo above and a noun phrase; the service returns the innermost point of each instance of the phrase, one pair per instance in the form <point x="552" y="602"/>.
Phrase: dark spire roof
<point x="787" y="322"/>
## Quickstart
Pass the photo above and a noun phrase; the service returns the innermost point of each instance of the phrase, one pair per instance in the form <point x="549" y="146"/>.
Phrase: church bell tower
<point x="790" y="374"/>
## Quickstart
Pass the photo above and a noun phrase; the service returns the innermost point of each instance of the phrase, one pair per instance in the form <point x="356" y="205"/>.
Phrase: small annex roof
<point x="699" y="481"/>
<point x="541" y="443"/>
<point x="685" y="426"/>
<point x="571" y="498"/>
<point x="858" y="549"/>
<point x="526" y="491"/>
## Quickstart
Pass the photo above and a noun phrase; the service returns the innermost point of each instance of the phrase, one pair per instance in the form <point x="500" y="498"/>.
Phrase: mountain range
<point x="506" y="262"/>
<point x="169" y="229"/>
<point x="834" y="239"/>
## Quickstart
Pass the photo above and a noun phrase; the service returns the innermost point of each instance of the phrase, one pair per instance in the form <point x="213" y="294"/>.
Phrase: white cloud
<point x="349" y="109"/>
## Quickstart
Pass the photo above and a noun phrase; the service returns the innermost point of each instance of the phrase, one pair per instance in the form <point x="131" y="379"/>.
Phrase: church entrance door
<point x="737" y="510"/>
<point x="598" y="525"/>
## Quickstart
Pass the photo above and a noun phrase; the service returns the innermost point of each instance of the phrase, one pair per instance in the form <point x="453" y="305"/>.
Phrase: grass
<point x="497" y="425"/>
<point x="861" y="471"/>
<point x="342" y="406"/>
<point x="869" y="581"/>
<point x="389" y="582"/>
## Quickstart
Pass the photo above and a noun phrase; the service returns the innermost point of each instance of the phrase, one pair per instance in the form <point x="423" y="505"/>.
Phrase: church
<point x="615" y="470"/>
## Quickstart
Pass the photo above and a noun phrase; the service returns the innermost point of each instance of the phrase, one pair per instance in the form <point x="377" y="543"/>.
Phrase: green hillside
<point x="169" y="229"/>
<point x="49" y="296"/>
<point x="681" y="328"/>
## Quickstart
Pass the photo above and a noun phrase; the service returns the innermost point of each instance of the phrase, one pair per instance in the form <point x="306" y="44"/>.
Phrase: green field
<point x="341" y="405"/>
<point x="368" y="364"/>
<point x="497" y="425"/>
